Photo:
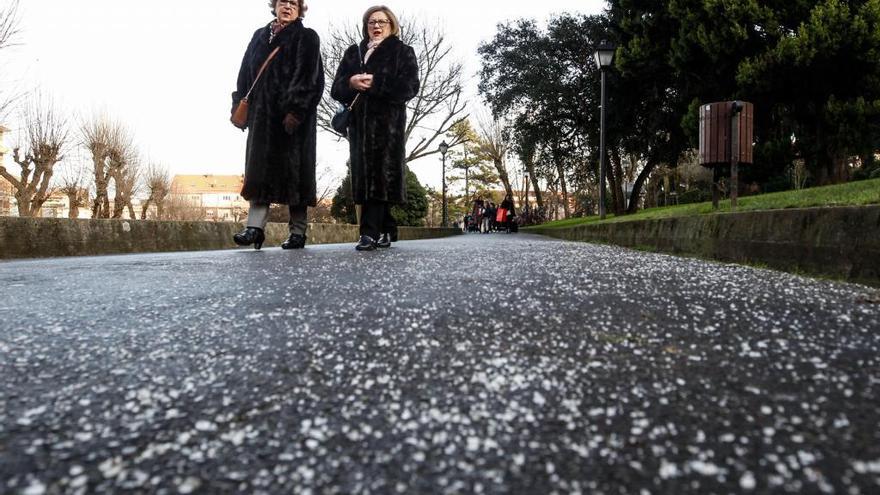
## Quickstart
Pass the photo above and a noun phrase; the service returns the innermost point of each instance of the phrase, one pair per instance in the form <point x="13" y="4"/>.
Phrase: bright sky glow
<point x="167" y="67"/>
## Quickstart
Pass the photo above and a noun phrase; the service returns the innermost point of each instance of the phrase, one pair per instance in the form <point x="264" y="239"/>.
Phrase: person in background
<point x="507" y="205"/>
<point x="282" y="122"/>
<point x="382" y="72"/>
<point x="489" y="216"/>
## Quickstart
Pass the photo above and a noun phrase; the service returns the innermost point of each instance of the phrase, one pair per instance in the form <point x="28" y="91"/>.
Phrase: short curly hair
<point x="302" y="7"/>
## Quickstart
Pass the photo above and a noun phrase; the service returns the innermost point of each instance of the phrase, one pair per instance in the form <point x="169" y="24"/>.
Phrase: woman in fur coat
<point x="379" y="76"/>
<point x="282" y="122"/>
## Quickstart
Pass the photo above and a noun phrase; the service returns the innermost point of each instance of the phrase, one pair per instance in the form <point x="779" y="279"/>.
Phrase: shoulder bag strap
<point x="361" y="60"/>
<point x="262" y="69"/>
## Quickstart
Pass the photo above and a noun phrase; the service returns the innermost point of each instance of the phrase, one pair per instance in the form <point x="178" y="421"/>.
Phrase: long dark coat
<point x="279" y="167"/>
<point x="376" y="136"/>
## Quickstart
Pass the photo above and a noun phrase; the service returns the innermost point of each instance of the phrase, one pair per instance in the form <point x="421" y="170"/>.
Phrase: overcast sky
<point x="167" y="67"/>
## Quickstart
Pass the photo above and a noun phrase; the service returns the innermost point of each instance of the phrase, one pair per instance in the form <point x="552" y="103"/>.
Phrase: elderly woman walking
<point x="376" y="78"/>
<point x="282" y="77"/>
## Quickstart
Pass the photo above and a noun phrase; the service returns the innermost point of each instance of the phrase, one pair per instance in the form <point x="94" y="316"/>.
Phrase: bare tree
<point x="327" y="180"/>
<point x="9" y="22"/>
<point x="158" y="184"/>
<point x="97" y="135"/>
<point x="9" y="30"/>
<point x="124" y="169"/>
<point x="127" y="183"/>
<point x="439" y="105"/>
<point x="111" y="147"/>
<point x="45" y="139"/>
<point x="73" y="182"/>
<point x="494" y="144"/>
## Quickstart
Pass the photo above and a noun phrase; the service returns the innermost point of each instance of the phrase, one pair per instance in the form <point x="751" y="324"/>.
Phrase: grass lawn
<point x="851" y="194"/>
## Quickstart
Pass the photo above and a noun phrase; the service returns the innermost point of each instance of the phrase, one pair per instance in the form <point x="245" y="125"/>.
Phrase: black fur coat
<point x="376" y="136"/>
<point x="279" y="167"/>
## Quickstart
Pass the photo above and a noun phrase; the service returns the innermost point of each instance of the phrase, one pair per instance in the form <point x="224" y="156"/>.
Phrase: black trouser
<point x="376" y="219"/>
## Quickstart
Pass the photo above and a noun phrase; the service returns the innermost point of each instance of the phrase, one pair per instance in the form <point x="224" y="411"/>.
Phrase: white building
<point x="214" y="197"/>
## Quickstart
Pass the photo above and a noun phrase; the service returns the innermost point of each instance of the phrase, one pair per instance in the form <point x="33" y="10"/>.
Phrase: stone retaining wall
<point x="839" y="242"/>
<point x="51" y="237"/>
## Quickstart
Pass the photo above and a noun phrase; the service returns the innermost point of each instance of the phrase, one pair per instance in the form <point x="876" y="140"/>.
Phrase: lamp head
<point x="444" y="148"/>
<point x="604" y="55"/>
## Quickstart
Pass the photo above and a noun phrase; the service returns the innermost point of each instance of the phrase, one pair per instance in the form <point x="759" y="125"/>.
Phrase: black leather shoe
<point x="384" y="241"/>
<point x="393" y="235"/>
<point x="366" y="243"/>
<point x="295" y="241"/>
<point x="250" y="235"/>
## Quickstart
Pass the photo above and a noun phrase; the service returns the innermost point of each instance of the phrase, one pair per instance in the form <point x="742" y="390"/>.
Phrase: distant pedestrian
<point x="281" y="122"/>
<point x="376" y="78"/>
<point x="509" y="213"/>
<point x="491" y="211"/>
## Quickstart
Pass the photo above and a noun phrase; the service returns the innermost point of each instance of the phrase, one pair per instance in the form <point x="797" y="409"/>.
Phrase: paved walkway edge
<point x="55" y="237"/>
<point x="839" y="242"/>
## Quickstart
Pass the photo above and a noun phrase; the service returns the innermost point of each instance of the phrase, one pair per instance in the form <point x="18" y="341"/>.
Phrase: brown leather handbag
<point x="240" y="115"/>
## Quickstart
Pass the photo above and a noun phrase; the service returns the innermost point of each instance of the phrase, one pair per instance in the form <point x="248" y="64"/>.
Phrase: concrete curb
<point x="838" y="242"/>
<point x="56" y="237"/>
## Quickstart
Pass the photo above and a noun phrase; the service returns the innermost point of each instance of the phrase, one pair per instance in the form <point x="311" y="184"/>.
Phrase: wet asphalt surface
<point x="480" y="364"/>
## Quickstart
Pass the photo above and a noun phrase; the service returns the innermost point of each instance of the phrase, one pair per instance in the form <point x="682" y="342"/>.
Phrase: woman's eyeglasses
<point x="292" y="3"/>
<point x="380" y="23"/>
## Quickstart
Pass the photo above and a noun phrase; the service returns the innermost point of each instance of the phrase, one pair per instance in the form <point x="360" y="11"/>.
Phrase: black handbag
<point x="342" y="118"/>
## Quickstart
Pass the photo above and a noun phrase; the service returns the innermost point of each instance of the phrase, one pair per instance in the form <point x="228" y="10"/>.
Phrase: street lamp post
<point x="467" y="169"/>
<point x="604" y="56"/>
<point x="526" y="206"/>
<point x="444" y="148"/>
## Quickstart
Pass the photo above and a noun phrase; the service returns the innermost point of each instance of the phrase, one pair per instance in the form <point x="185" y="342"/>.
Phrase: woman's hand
<point x="291" y="123"/>
<point x="361" y="82"/>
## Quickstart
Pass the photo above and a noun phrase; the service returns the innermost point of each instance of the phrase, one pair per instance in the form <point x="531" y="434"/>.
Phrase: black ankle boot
<point x="250" y="235"/>
<point x="295" y="241"/>
<point x="392" y="236"/>
<point x="366" y="243"/>
<point x="384" y="241"/>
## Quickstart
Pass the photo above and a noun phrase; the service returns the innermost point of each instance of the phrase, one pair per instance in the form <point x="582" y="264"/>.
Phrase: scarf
<point x="274" y="29"/>
<point x="371" y="47"/>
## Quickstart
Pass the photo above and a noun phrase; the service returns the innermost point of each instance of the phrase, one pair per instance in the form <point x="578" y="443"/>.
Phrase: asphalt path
<point x="478" y="364"/>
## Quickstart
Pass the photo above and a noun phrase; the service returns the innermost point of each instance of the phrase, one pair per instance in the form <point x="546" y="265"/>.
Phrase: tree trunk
<point x="539" y="198"/>
<point x="505" y="179"/>
<point x="145" y="208"/>
<point x="619" y="201"/>
<point x="840" y="170"/>
<point x="637" y="186"/>
<point x="24" y="204"/>
<point x="560" y="169"/>
<point x="101" y="206"/>
<point x="73" y="199"/>
<point x="551" y="188"/>
<point x="105" y="206"/>
<point x="96" y="204"/>
<point x="530" y="167"/>
<point x="118" y="203"/>
<point x="613" y="185"/>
